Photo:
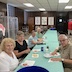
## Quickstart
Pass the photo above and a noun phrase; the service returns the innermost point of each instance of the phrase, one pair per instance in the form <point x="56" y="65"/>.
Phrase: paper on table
<point x="37" y="50"/>
<point x="56" y="54"/>
<point x="28" y="63"/>
<point x="47" y="55"/>
<point x="52" y="61"/>
<point x="35" y="55"/>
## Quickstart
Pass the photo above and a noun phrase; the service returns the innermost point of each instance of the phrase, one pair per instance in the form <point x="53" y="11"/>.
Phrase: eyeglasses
<point x="63" y="40"/>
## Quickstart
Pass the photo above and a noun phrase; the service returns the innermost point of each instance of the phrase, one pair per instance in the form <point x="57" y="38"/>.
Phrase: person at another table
<point x="8" y="60"/>
<point x="38" y="33"/>
<point x="52" y="27"/>
<point x="21" y="50"/>
<point x="70" y="28"/>
<point x="65" y="50"/>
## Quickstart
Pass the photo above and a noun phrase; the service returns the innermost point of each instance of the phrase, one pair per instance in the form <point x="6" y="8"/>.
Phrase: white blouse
<point x="8" y="63"/>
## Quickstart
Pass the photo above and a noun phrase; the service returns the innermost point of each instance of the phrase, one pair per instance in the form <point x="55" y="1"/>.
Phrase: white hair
<point x="63" y="36"/>
<point x="38" y="29"/>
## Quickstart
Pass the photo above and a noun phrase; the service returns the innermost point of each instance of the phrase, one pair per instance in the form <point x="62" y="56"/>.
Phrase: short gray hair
<point x="38" y="28"/>
<point x="63" y="36"/>
<point x="20" y="33"/>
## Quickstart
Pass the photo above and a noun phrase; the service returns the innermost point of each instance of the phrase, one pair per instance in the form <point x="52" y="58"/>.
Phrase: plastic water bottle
<point x="46" y="50"/>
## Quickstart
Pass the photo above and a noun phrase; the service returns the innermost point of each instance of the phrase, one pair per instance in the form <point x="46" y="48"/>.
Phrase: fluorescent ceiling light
<point x="28" y="4"/>
<point x="41" y="9"/>
<point x="12" y="5"/>
<point x="68" y="7"/>
<point x="28" y="10"/>
<point x="63" y="1"/>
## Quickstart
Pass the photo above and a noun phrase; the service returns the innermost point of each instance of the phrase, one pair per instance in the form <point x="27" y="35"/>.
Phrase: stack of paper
<point x="28" y="63"/>
<point x="52" y="61"/>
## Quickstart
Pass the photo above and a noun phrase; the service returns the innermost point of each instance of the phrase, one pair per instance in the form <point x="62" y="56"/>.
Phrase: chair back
<point x="33" y="69"/>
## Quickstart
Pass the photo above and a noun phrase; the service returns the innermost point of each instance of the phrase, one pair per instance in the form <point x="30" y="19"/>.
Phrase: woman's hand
<point x="27" y="50"/>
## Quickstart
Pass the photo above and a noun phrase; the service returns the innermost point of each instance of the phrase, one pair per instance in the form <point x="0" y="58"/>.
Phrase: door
<point x="61" y="24"/>
<point x="31" y="24"/>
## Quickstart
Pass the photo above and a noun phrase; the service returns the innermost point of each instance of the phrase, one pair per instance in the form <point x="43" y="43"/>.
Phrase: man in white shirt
<point x="32" y="41"/>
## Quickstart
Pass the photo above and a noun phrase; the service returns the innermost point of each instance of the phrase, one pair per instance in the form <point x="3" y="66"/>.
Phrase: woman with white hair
<point x="8" y="60"/>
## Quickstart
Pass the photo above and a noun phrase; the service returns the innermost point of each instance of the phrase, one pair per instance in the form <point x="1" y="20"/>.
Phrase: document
<point x="28" y="63"/>
<point x="52" y="61"/>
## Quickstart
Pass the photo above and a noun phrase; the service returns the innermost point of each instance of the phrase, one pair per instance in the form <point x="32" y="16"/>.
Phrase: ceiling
<point x="49" y="5"/>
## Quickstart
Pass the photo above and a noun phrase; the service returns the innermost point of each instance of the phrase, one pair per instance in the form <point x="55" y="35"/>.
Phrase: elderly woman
<point x="8" y="60"/>
<point x="21" y="50"/>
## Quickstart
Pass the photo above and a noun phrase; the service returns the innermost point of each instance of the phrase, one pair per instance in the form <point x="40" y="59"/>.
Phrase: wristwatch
<point x="62" y="59"/>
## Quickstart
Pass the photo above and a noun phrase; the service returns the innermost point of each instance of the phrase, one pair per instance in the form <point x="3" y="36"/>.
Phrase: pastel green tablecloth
<point x="51" y="40"/>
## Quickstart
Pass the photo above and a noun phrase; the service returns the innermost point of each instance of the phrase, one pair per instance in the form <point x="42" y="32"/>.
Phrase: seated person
<point x="8" y="60"/>
<point x="21" y="50"/>
<point x="70" y="28"/>
<point x="66" y="53"/>
<point x="38" y="33"/>
<point x="33" y="40"/>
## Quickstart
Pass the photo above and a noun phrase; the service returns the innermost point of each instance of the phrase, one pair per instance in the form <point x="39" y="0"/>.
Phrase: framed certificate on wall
<point x="44" y="20"/>
<point x="37" y="20"/>
<point x="50" y="20"/>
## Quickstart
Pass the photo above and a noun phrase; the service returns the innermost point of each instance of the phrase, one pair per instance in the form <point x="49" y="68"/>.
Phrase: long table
<point x="51" y="40"/>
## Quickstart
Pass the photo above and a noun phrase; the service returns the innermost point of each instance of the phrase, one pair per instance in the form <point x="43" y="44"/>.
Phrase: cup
<point x="46" y="50"/>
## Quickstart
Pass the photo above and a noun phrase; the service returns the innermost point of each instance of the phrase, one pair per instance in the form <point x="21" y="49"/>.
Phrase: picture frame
<point x="44" y="20"/>
<point x="50" y="20"/>
<point x="37" y="20"/>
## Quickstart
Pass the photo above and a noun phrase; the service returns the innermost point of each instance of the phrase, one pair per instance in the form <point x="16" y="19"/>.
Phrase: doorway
<point x="62" y="23"/>
<point x="31" y="24"/>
